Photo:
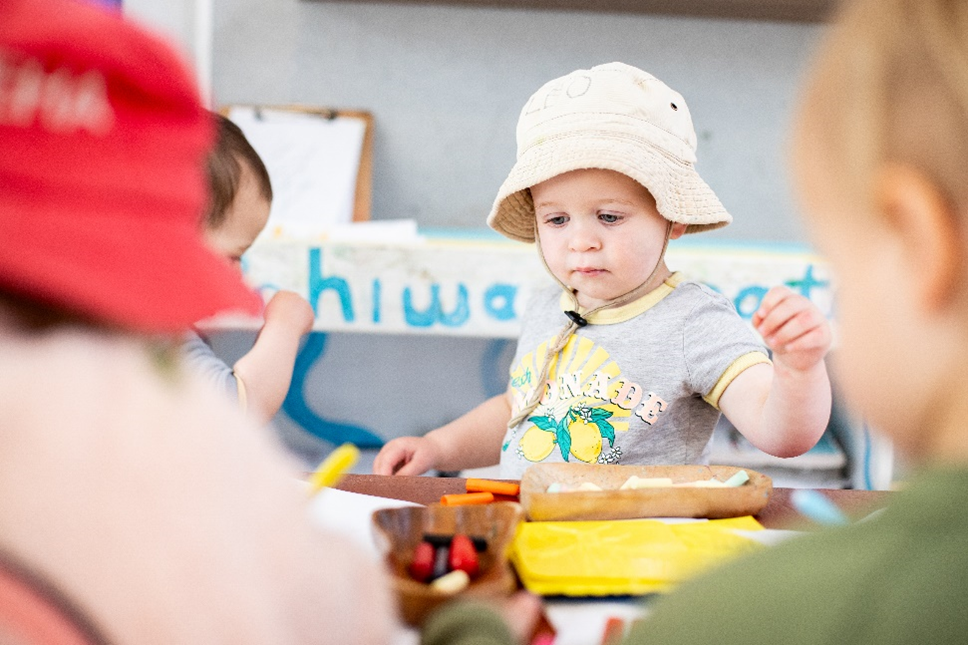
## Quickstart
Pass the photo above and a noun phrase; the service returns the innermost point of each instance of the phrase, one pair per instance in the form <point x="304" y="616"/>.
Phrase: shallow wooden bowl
<point x="614" y="504"/>
<point x="399" y="530"/>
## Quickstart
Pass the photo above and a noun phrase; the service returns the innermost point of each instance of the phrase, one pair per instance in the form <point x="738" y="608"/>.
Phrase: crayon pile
<point x="447" y="562"/>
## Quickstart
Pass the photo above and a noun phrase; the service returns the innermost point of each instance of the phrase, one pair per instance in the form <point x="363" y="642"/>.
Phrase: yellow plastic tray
<point x="629" y="557"/>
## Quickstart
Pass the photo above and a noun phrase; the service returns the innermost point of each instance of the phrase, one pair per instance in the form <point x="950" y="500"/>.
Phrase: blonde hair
<point x="891" y="85"/>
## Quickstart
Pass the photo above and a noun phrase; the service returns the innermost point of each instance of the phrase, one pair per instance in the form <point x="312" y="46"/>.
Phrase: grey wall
<point x="445" y="85"/>
<point x="175" y="20"/>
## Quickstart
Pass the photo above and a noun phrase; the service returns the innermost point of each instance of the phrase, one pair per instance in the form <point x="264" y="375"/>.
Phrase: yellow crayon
<point x="331" y="469"/>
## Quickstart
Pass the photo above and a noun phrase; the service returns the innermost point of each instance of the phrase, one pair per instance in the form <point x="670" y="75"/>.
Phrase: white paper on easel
<point x="313" y="163"/>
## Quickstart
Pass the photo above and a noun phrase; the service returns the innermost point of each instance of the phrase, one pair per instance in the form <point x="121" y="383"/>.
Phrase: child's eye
<point x="609" y="218"/>
<point x="555" y="220"/>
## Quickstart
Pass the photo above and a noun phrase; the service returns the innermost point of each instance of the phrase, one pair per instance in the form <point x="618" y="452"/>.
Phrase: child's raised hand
<point x="291" y="309"/>
<point x="793" y="328"/>
<point x="406" y="456"/>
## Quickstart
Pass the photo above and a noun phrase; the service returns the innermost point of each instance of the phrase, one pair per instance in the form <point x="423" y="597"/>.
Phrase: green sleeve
<point x="466" y="623"/>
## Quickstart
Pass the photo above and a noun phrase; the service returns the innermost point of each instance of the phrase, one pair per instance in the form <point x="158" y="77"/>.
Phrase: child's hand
<point x="406" y="456"/>
<point x="793" y="328"/>
<point x="289" y="308"/>
<point x="521" y="611"/>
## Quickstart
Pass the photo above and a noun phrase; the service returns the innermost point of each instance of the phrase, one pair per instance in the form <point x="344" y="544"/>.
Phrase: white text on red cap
<point x="59" y="100"/>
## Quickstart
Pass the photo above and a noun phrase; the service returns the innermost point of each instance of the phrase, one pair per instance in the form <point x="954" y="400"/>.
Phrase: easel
<point x="364" y="179"/>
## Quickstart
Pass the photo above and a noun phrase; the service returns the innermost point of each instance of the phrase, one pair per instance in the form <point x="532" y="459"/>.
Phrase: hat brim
<point x="680" y="193"/>
<point x="149" y="276"/>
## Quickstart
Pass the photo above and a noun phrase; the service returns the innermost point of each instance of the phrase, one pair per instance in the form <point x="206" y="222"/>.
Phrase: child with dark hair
<point x="232" y="155"/>
<point x="239" y="201"/>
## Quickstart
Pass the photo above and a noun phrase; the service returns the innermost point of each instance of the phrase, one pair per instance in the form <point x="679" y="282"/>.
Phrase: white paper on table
<point x="313" y="163"/>
<point x="581" y="621"/>
<point x="351" y="514"/>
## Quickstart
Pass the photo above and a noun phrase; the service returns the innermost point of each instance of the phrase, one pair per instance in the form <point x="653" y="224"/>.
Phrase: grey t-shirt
<point x="639" y="384"/>
<point x="200" y="358"/>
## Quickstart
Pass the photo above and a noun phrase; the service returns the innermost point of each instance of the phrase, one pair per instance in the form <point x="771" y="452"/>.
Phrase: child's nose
<point x="584" y="238"/>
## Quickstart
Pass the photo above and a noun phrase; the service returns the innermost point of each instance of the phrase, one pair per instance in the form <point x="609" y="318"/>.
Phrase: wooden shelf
<point x="785" y="10"/>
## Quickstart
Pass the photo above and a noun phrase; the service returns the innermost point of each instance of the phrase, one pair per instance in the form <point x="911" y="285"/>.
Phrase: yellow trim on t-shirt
<point x="736" y="368"/>
<point x="630" y="310"/>
<point x="243" y="398"/>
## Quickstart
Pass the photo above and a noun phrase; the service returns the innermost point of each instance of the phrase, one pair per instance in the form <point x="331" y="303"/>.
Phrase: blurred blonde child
<point x="624" y="361"/>
<point x="881" y="152"/>
<point x="131" y="493"/>
<point x="241" y="195"/>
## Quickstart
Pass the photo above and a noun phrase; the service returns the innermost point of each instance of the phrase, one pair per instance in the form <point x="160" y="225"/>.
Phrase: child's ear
<point x="926" y="226"/>
<point x="677" y="231"/>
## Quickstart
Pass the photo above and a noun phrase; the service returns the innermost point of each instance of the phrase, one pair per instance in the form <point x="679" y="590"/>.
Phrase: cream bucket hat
<point x="614" y="117"/>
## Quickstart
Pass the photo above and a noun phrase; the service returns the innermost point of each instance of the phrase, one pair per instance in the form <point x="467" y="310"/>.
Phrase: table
<point x="581" y="621"/>
<point x="779" y="513"/>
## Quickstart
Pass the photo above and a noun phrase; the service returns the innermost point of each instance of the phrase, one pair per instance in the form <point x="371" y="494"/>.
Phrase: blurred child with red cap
<point x="158" y="509"/>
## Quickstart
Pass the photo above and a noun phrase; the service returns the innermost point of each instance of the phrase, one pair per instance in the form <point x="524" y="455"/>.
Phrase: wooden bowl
<point x="614" y="504"/>
<point x="399" y="530"/>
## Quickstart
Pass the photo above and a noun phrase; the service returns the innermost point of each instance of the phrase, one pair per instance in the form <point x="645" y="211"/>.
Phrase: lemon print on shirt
<point x="578" y="434"/>
<point x="578" y="414"/>
<point x="586" y="438"/>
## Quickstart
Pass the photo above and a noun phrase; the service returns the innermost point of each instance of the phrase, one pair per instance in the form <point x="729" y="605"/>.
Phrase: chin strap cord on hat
<point x="575" y="321"/>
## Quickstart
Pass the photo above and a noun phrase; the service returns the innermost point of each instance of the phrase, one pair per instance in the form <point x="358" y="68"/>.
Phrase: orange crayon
<point x="461" y="499"/>
<point x="490" y="486"/>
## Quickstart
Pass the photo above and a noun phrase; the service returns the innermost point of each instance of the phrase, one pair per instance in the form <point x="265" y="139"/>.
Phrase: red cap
<point x="102" y="185"/>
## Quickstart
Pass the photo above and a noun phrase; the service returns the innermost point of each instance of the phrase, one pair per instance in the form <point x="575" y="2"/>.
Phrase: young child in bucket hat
<point x="880" y="156"/>
<point x="626" y="362"/>
<point x="238" y="209"/>
<point x="128" y="488"/>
